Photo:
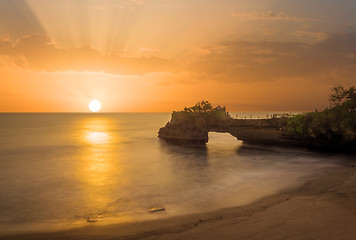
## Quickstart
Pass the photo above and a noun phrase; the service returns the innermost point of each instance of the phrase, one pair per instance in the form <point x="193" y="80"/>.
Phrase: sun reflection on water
<point x="97" y="137"/>
<point x="98" y="168"/>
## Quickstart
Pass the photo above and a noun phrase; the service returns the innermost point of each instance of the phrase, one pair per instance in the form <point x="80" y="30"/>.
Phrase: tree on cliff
<point x="337" y="123"/>
<point x="206" y="106"/>
<point x="187" y="109"/>
<point x="341" y="96"/>
<point x="203" y="106"/>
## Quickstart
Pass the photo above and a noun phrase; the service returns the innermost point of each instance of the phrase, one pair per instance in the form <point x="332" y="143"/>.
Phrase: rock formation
<point x="192" y="126"/>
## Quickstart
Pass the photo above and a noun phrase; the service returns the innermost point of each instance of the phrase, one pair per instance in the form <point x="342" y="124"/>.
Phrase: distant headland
<point x="333" y="129"/>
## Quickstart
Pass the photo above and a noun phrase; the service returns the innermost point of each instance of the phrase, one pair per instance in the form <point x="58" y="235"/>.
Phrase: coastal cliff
<point x="192" y="126"/>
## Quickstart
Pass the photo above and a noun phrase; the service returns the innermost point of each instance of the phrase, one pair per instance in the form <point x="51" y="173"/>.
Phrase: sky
<point x="163" y="55"/>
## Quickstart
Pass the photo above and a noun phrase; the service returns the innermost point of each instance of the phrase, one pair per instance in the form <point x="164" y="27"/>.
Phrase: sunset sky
<point x="162" y="55"/>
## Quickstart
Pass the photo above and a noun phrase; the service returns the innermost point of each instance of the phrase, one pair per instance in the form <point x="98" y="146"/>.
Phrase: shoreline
<point x="320" y="208"/>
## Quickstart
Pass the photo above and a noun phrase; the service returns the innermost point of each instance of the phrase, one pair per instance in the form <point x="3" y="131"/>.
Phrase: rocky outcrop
<point x="193" y="128"/>
<point x="183" y="134"/>
<point x="186" y="128"/>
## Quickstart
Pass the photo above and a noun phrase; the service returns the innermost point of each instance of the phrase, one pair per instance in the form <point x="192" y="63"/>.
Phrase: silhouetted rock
<point x="192" y="128"/>
<point x="188" y="127"/>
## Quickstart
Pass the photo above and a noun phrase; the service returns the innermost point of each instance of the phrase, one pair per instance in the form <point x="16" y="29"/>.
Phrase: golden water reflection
<point x="98" y="168"/>
<point x="97" y="137"/>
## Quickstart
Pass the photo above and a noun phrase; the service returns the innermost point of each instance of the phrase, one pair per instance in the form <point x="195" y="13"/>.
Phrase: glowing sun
<point x="94" y="105"/>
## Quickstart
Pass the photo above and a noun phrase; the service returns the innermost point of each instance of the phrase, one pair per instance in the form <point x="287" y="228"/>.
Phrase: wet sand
<point x="323" y="208"/>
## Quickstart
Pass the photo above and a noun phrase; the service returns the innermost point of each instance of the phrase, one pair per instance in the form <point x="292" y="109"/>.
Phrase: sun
<point x="94" y="105"/>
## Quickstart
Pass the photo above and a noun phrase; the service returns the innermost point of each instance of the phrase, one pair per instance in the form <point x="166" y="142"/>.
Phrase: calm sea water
<point x="59" y="170"/>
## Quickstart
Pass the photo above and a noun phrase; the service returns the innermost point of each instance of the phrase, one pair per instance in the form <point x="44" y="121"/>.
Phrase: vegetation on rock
<point x="335" y="124"/>
<point x="203" y="106"/>
<point x="202" y="114"/>
<point x="191" y="125"/>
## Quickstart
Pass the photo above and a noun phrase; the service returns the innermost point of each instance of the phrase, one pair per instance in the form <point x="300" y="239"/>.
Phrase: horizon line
<point x="143" y="112"/>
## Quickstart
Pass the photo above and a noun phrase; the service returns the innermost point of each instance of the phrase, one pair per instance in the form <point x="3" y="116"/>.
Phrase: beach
<point x="180" y="119"/>
<point x="322" y="208"/>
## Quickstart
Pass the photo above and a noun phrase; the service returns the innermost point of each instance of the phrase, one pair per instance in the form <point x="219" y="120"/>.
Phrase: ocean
<point x="64" y="170"/>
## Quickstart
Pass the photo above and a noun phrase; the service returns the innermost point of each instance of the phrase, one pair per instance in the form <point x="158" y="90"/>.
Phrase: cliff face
<point x="186" y="128"/>
<point x="255" y="131"/>
<point x="183" y="134"/>
<point x="193" y="128"/>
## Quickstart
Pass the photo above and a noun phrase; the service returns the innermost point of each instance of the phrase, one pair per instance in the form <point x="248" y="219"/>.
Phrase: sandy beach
<point x="179" y="119"/>
<point x="323" y="208"/>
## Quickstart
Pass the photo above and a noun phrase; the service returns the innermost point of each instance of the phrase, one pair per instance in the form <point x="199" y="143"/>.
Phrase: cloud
<point x="129" y="4"/>
<point x="38" y="52"/>
<point x="330" y="60"/>
<point x="269" y="15"/>
<point x="320" y="36"/>
<point x="247" y="61"/>
<point x="139" y="2"/>
<point x="123" y="4"/>
<point x="147" y="50"/>
<point x="18" y="19"/>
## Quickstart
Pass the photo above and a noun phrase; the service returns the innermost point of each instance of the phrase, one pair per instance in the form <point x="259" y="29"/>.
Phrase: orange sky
<point x="159" y="55"/>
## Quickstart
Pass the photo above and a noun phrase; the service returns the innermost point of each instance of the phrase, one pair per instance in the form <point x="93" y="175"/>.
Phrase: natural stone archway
<point x="193" y="128"/>
<point x="219" y="140"/>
